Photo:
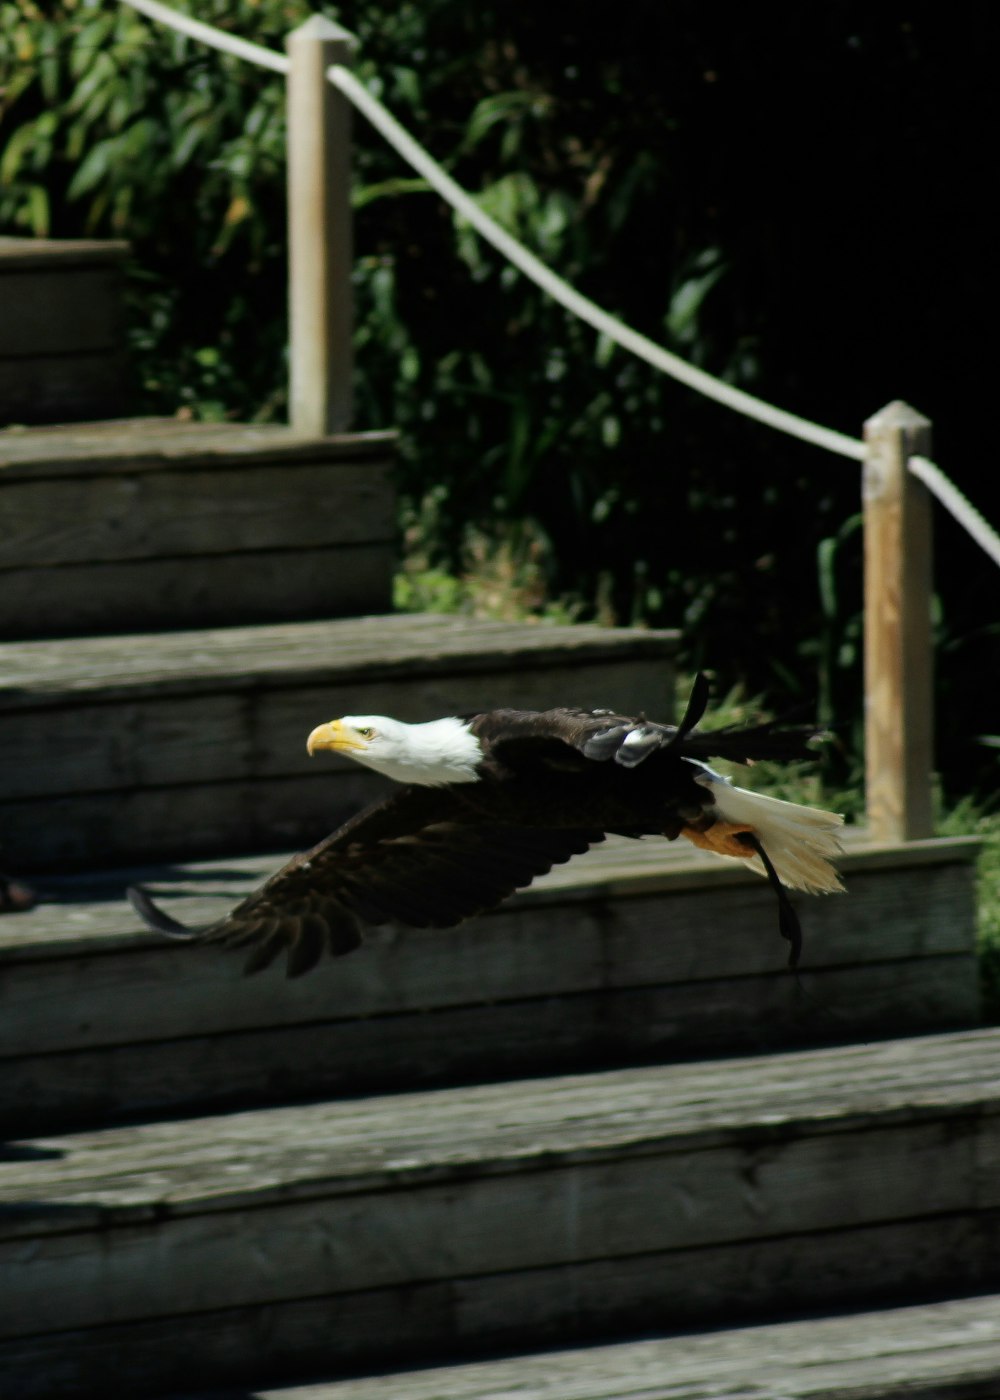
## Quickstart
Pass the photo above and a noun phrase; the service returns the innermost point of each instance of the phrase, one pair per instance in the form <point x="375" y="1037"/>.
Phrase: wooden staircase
<point x="371" y="1233"/>
<point x="540" y="1153"/>
<point x="639" y="952"/>
<point x="946" y="1351"/>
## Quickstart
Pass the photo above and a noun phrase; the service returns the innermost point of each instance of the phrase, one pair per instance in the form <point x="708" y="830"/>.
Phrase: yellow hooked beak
<point x="336" y="736"/>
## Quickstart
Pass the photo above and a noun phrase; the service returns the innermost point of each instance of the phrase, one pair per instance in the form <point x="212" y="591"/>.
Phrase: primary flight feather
<point x="490" y="802"/>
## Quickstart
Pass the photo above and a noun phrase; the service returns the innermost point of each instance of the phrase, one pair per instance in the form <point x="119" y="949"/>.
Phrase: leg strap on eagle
<point x="788" y="921"/>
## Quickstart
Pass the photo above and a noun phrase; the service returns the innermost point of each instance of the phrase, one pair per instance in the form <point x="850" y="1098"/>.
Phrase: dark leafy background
<point x="791" y="196"/>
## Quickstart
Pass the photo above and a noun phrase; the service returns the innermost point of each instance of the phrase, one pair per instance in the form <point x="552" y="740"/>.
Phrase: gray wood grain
<point x="59" y="311"/>
<point x="494" y="1224"/>
<point x="47" y="252"/>
<point x="84" y="912"/>
<point x="134" y="445"/>
<point x="60" y="387"/>
<point x="238" y="730"/>
<point x="155" y="523"/>
<point x="564" y="937"/>
<point x="911" y="1351"/>
<point x="61" y="331"/>
<point x="274" y="585"/>
<point x="635" y="948"/>
<point x="499" y="1129"/>
<point x="283" y="1060"/>
<point x="379" y="1328"/>
<point x="497" y="1180"/>
<point x="366" y="649"/>
<point x="234" y="509"/>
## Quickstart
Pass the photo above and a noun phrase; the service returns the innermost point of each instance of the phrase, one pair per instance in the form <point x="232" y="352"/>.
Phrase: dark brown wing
<point x="563" y="740"/>
<point x="571" y="739"/>
<point x="419" y="858"/>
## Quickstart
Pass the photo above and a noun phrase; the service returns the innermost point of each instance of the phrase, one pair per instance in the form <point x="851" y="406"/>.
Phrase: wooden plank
<point x="556" y="979"/>
<point x="172" y="515"/>
<point x="496" y="1131"/>
<point x="492" y="1225"/>
<point x="426" y="1320"/>
<point x="270" y="685"/>
<point x="95" y="919"/>
<point x="234" y="524"/>
<point x="172" y="823"/>
<point x="276" y="1061"/>
<point x="148" y="990"/>
<point x="48" y="388"/>
<point x="135" y="445"/>
<point x="36" y="253"/>
<point x="238" y="734"/>
<point x="273" y="586"/>
<point x="912" y="1351"/>
<point x="366" y="649"/>
<point x="258" y="731"/>
<point x="493" y="1180"/>
<point x="899" y="707"/>
<point x="48" y="311"/>
<point x="207" y="814"/>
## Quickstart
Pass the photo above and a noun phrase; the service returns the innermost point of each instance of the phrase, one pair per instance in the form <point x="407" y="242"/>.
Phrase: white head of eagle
<point x="432" y="754"/>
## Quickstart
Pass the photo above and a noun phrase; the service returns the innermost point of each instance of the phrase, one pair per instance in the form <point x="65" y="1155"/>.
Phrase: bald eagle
<point x="490" y="802"/>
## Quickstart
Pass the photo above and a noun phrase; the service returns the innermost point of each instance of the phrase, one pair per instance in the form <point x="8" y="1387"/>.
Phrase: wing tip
<point x="153" y="917"/>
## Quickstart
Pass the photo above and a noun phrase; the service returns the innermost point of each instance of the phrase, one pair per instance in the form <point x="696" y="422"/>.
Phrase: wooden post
<point x="899" y="725"/>
<point x="319" y="231"/>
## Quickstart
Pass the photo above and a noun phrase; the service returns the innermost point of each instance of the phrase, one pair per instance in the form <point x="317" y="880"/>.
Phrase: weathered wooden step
<point x="272" y="1242"/>
<point x="62" y="332"/>
<point x="932" y="1351"/>
<point x="190" y="743"/>
<point x="635" y="951"/>
<point x="155" y="522"/>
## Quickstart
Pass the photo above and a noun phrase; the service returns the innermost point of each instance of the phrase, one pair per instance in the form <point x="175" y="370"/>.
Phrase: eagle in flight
<point x="490" y="802"/>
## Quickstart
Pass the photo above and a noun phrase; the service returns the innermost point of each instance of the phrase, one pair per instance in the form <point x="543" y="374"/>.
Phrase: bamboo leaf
<point x="687" y="301"/>
<point x="93" y="168"/>
<point x="98" y="74"/>
<point x="388" y="189"/>
<point x="498" y="107"/>
<point x="17" y="148"/>
<point x="39" y="212"/>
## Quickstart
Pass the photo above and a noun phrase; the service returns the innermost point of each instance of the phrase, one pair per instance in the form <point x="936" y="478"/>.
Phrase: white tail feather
<point x="800" y="841"/>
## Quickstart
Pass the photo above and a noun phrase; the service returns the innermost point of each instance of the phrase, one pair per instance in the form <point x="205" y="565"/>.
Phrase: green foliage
<point x="111" y="127"/>
<point x="505" y="571"/>
<point x="969" y="819"/>
<point x="989" y="916"/>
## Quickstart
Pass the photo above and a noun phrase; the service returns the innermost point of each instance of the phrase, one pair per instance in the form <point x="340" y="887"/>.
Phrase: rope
<point x="952" y="499"/>
<point x="215" y="38"/>
<point x="571" y="299"/>
<point x="736" y="399"/>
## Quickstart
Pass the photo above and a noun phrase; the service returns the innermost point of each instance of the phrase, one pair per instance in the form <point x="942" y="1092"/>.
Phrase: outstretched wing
<point x="414" y="859"/>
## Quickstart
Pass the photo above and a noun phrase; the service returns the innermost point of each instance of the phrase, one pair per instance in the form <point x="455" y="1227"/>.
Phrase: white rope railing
<point x="415" y="154"/>
<point x="554" y="286"/>
<point x="208" y="34"/>
<point x="956" y="504"/>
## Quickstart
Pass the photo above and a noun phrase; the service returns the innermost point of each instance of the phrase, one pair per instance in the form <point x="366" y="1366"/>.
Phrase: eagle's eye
<point x="367" y="732"/>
